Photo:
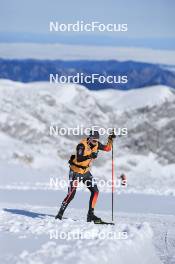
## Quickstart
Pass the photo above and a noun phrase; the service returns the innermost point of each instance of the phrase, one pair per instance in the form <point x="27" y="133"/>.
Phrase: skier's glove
<point x="94" y="155"/>
<point x="112" y="136"/>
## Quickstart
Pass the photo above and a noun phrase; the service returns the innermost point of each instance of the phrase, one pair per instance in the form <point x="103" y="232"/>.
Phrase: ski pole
<point x="112" y="182"/>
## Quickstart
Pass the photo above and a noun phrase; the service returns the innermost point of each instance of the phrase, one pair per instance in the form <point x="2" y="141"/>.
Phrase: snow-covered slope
<point x="75" y="241"/>
<point x="28" y="110"/>
<point x="134" y="99"/>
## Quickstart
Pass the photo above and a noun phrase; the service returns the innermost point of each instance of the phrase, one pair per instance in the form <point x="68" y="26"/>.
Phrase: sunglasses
<point x="94" y="140"/>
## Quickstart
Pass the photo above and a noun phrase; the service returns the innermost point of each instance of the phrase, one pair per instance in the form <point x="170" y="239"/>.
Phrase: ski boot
<point x="60" y="212"/>
<point x="91" y="217"/>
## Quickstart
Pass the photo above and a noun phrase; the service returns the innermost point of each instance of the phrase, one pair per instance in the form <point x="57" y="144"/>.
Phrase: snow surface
<point x="40" y="239"/>
<point x="78" y="52"/>
<point x="30" y="234"/>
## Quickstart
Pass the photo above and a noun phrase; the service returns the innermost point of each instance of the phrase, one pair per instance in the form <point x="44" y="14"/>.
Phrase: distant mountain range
<point x="139" y="74"/>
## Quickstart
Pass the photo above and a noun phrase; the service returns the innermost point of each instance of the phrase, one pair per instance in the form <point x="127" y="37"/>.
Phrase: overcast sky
<point x="145" y="18"/>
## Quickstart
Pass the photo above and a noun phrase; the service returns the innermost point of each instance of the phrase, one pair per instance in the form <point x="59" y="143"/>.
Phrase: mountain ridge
<point x="139" y="74"/>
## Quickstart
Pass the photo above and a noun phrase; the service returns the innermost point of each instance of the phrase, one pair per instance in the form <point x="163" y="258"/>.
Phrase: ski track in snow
<point x="26" y="231"/>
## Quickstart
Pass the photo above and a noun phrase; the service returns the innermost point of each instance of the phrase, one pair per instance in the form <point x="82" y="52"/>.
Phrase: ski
<point x="104" y="223"/>
<point x="68" y="218"/>
<point x="96" y="223"/>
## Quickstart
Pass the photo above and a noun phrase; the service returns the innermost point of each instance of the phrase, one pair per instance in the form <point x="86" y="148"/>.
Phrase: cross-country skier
<point x="86" y="152"/>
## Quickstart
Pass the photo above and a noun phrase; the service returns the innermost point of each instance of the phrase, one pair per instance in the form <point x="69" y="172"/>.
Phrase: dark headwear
<point x="94" y="134"/>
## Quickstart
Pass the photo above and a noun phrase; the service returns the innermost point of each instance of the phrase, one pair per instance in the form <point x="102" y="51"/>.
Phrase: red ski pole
<point x="112" y="182"/>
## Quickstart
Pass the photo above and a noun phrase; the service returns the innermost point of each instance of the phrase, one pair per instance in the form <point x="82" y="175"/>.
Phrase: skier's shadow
<point x="26" y="213"/>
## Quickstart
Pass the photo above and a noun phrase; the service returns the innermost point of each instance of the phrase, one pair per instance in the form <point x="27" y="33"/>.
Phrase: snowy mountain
<point x="146" y="154"/>
<point x="135" y="99"/>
